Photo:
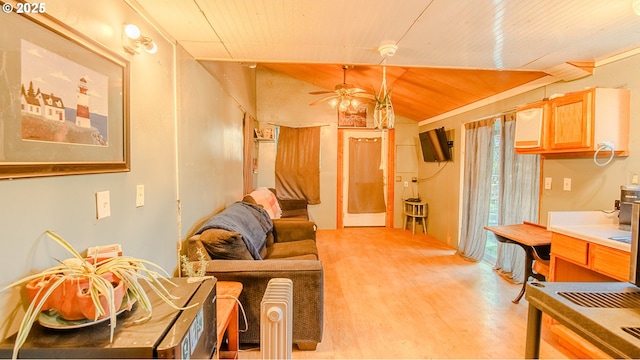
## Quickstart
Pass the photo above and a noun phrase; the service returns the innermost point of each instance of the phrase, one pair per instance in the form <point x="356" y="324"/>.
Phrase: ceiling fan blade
<point x="358" y="90"/>
<point x="320" y="92"/>
<point x="324" y="99"/>
<point x="366" y="96"/>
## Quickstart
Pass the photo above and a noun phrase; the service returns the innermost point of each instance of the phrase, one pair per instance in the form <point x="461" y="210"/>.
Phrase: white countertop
<point x="593" y="226"/>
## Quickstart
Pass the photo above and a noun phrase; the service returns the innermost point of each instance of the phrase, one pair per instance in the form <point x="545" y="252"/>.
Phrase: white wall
<point x="186" y="145"/>
<point x="210" y="136"/>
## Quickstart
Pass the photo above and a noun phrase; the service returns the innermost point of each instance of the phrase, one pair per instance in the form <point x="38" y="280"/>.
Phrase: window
<point x="491" y="248"/>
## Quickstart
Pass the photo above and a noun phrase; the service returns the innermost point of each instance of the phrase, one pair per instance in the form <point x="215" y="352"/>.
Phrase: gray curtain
<point x="519" y="193"/>
<point x="476" y="188"/>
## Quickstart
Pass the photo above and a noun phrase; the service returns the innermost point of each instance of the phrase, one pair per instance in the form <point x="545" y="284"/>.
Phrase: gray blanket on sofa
<point x="252" y="221"/>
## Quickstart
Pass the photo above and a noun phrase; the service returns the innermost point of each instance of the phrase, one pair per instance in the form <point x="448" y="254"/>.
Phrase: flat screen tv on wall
<point x="435" y="145"/>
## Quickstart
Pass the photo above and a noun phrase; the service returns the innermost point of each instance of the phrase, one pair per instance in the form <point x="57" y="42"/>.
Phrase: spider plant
<point x="103" y="276"/>
<point x="382" y="98"/>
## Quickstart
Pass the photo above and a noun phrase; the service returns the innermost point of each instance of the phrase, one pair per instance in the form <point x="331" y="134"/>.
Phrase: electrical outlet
<point x="547" y="183"/>
<point x="103" y="204"/>
<point x="139" y="195"/>
<point x="566" y="184"/>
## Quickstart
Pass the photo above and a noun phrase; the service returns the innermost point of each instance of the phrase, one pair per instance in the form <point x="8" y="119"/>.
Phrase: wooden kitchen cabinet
<point x="578" y="260"/>
<point x="609" y="261"/>
<point x="570" y="248"/>
<point x="531" y="120"/>
<point x="574" y="259"/>
<point x="570" y="122"/>
<point x="575" y="124"/>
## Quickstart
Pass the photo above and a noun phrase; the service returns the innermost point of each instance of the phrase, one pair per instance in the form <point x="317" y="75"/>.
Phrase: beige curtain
<point x="248" y="124"/>
<point x="366" y="178"/>
<point x="298" y="164"/>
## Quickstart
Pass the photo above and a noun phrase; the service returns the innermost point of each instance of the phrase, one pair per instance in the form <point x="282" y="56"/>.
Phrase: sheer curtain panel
<point x="476" y="188"/>
<point x="520" y="189"/>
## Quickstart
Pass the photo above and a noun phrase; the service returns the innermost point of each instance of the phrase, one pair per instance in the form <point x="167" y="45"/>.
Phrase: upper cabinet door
<point x="571" y="122"/>
<point x="575" y="124"/>
<point x="530" y="124"/>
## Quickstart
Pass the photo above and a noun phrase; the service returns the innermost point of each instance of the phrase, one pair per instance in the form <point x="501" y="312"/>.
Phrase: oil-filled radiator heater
<point x="276" y="312"/>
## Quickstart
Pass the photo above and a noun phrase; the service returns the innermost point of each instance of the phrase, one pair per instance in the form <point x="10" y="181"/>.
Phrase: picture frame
<point x="66" y="111"/>
<point x="353" y="118"/>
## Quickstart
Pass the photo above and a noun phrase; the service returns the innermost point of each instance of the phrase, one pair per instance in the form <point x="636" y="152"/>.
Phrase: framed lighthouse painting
<point x="63" y="101"/>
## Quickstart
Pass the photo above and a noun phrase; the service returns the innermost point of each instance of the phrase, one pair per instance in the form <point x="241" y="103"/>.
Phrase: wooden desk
<point x="528" y="236"/>
<point x="227" y="317"/>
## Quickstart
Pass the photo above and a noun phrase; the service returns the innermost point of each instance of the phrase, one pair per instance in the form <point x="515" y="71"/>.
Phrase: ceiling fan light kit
<point x="349" y="97"/>
<point x="345" y="96"/>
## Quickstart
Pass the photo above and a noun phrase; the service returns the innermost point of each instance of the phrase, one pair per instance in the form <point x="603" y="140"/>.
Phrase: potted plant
<point x="383" y="115"/>
<point x="89" y="287"/>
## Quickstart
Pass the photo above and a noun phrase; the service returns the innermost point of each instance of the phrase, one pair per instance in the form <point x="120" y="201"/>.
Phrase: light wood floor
<point x="391" y="294"/>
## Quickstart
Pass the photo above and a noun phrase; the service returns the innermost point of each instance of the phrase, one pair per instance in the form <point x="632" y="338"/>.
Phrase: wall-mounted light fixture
<point x="133" y="40"/>
<point x="635" y="5"/>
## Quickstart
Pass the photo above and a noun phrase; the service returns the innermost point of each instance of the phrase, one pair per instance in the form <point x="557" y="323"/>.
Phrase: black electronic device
<point x="435" y="145"/>
<point x="169" y="333"/>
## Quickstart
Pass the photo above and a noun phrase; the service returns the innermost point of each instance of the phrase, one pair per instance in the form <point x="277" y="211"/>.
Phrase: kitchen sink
<point x="624" y="239"/>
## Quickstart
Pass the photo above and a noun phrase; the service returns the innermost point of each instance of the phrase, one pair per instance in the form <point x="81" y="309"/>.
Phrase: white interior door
<point x="369" y="219"/>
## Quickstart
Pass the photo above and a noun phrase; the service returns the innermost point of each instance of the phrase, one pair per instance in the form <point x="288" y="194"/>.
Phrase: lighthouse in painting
<point x="82" y="114"/>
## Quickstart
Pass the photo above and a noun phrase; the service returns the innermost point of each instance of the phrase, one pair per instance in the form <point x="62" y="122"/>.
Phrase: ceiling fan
<point x="345" y="96"/>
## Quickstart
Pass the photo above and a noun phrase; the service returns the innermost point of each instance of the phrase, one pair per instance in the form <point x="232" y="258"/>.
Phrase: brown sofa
<point x="291" y="208"/>
<point x="289" y="251"/>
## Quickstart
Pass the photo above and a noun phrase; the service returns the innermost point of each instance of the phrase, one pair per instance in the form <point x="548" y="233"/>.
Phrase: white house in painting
<point x="30" y="105"/>
<point x="38" y="104"/>
<point x="53" y="107"/>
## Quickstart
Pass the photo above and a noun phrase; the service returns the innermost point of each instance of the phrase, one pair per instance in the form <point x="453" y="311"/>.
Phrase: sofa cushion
<point x="301" y="214"/>
<point x="302" y="249"/>
<point x="224" y="244"/>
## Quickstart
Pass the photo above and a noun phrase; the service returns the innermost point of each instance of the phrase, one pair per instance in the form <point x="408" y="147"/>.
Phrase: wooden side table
<point x="416" y="211"/>
<point x="227" y="318"/>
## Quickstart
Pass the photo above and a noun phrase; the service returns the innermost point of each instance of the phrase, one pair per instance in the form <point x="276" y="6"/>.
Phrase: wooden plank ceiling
<point x="450" y="52"/>
<point x="417" y="93"/>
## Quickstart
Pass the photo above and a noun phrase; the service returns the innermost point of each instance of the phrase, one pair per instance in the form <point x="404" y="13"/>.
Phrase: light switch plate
<point x="103" y="204"/>
<point x="139" y="195"/>
<point x="566" y="184"/>
<point x="547" y="183"/>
